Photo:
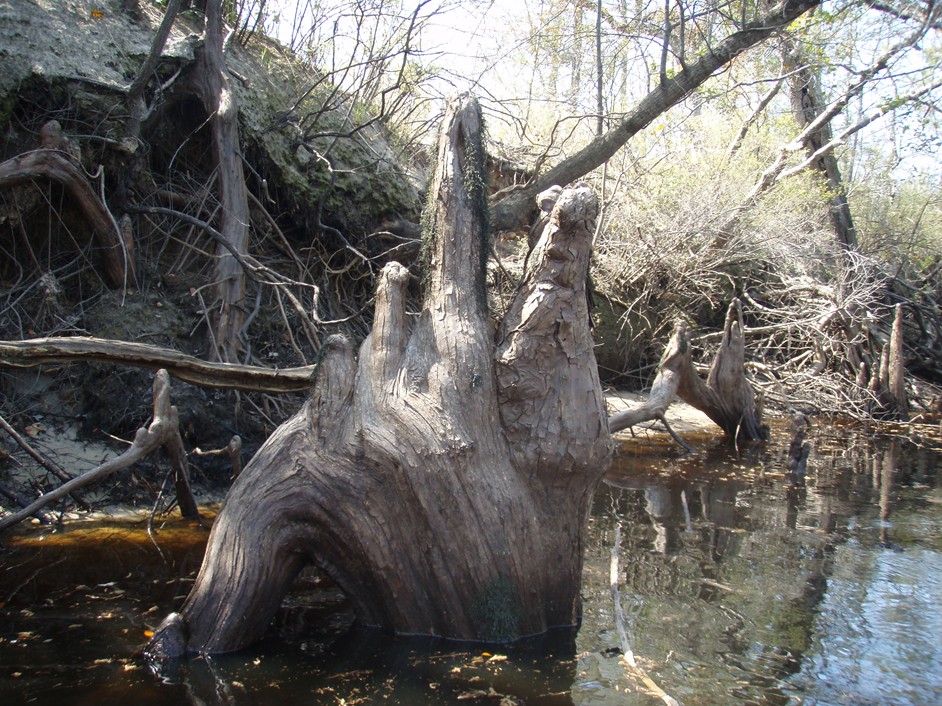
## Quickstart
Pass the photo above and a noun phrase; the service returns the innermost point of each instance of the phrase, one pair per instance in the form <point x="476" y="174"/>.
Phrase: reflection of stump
<point x="445" y="494"/>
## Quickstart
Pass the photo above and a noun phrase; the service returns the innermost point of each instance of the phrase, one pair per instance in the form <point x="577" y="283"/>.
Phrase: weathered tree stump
<point x="887" y="388"/>
<point x="441" y="481"/>
<point x="726" y="397"/>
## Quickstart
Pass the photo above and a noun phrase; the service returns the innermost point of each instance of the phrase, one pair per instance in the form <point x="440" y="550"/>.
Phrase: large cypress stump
<point x="442" y="480"/>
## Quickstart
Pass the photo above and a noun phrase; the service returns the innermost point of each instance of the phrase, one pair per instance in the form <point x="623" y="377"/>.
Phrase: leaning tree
<point x="442" y="475"/>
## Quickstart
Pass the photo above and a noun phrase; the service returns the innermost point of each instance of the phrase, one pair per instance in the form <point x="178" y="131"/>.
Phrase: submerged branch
<point x="631" y="665"/>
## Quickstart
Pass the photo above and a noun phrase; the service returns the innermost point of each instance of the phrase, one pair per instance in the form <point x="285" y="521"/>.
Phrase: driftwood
<point x="164" y="430"/>
<point x="442" y="481"/>
<point x="55" y="163"/>
<point x="39" y="351"/>
<point x="726" y="396"/>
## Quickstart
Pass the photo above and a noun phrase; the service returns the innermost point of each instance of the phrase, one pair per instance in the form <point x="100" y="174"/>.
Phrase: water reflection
<point x="741" y="581"/>
<point x="729" y="565"/>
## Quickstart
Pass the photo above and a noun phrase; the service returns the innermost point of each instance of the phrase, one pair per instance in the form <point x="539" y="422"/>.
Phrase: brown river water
<point x="737" y="584"/>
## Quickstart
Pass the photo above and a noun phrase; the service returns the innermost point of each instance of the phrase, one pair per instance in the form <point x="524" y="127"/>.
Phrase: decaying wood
<point x="39" y="351"/>
<point x="663" y="389"/>
<point x="887" y="387"/>
<point x="896" y="375"/>
<point x="164" y="430"/>
<point x="798" y="450"/>
<point x="58" y="166"/>
<point x="726" y="396"/>
<point x="446" y="494"/>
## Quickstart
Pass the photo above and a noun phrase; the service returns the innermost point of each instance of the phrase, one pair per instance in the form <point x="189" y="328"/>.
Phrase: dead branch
<point x="164" y="430"/>
<point x="233" y="450"/>
<point x="249" y="378"/>
<point x="12" y="496"/>
<point x="628" y="656"/>
<point x="664" y="389"/>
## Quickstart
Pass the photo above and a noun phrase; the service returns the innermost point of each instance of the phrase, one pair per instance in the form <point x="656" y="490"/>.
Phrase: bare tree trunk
<point x="214" y="86"/>
<point x="512" y="210"/>
<point x="896" y="375"/>
<point x="444" y="485"/>
<point x="671" y="370"/>
<point x="807" y="104"/>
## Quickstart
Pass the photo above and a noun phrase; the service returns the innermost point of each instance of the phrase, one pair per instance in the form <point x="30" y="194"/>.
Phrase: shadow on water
<point x="739" y="582"/>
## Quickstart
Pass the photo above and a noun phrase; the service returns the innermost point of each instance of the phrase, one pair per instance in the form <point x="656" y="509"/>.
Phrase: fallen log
<point x="80" y="349"/>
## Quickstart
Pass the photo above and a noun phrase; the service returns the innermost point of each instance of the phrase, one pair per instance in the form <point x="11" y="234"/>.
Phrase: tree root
<point x="53" y="162"/>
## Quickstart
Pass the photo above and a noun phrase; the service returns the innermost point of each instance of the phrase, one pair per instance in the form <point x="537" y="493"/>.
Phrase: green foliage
<point x="899" y="222"/>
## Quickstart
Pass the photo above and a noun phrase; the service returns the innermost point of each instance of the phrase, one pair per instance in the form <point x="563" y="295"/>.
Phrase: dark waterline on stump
<point x="739" y="584"/>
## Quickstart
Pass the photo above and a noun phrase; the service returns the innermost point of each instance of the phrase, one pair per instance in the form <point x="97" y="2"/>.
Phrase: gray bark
<point x="442" y="483"/>
<point x="214" y="86"/>
<point x="726" y="396"/>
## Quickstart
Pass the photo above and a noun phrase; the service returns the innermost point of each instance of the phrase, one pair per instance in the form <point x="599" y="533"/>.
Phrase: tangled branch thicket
<point x="818" y="316"/>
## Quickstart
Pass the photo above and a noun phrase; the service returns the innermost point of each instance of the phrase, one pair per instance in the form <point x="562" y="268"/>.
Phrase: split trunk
<point x="440" y="477"/>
